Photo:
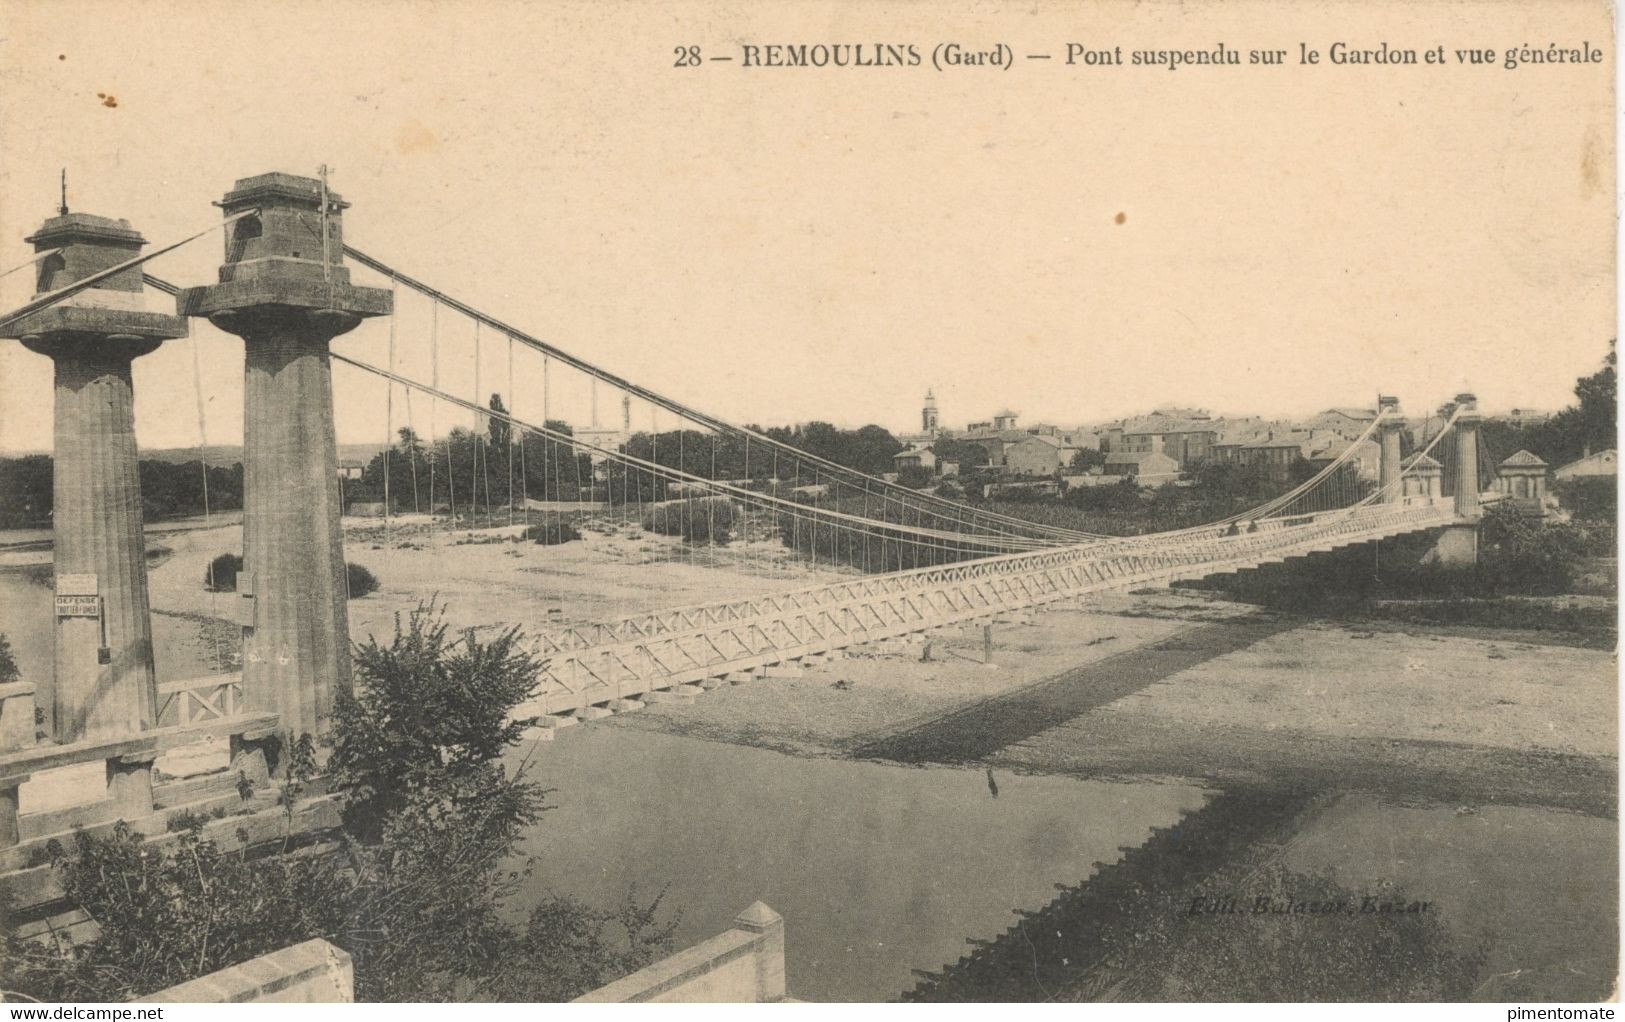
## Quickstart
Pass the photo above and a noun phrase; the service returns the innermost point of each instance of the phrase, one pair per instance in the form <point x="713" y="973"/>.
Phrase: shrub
<point x="414" y="891"/>
<point x="1123" y="495"/>
<point x="1591" y="499"/>
<point x="915" y="477"/>
<point x="1519" y="554"/>
<point x="359" y="581"/>
<point x="9" y="672"/>
<point x="552" y="532"/>
<point x="221" y="575"/>
<point x="696" y="519"/>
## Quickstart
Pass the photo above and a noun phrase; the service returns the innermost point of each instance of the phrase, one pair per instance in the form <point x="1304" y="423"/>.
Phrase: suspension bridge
<point x="483" y="428"/>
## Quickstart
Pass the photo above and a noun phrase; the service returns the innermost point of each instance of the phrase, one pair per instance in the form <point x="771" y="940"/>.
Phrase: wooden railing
<point x="193" y="700"/>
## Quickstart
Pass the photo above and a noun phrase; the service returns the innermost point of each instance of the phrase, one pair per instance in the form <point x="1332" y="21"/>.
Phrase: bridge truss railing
<point x="771" y="630"/>
<point x="677" y="620"/>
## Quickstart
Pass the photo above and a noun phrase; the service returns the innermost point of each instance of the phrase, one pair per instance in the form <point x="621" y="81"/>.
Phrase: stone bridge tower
<point x="103" y="683"/>
<point x="284" y="289"/>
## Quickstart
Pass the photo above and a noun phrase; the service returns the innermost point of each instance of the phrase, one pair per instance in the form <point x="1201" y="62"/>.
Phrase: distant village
<point x="1166" y="445"/>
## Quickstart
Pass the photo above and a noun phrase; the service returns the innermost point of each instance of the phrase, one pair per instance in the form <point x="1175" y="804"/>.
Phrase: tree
<point x="915" y="477"/>
<point x="25" y="491"/>
<point x="1598" y="411"/>
<point x="408" y="469"/>
<point x="500" y="430"/>
<point x="1086" y="458"/>
<point x="1588" y="425"/>
<point x="966" y="455"/>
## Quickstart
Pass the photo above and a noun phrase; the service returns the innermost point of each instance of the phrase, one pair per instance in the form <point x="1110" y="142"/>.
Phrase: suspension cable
<point x="690" y="413"/>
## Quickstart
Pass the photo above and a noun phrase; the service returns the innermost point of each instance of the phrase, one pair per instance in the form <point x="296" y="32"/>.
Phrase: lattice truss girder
<point x="690" y="645"/>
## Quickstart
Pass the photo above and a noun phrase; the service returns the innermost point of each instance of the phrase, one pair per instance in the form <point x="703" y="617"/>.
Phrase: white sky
<point x="777" y="246"/>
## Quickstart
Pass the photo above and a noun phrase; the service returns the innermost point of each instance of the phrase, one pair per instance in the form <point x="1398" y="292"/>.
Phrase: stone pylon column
<point x="285" y="291"/>
<point x="1388" y="431"/>
<point x="1466" y="440"/>
<point x="103" y="683"/>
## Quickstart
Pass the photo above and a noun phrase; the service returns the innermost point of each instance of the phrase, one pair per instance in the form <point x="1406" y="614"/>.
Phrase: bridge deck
<point x="602" y="664"/>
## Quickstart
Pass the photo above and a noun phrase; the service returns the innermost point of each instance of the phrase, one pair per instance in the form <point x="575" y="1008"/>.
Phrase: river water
<point x="877" y="869"/>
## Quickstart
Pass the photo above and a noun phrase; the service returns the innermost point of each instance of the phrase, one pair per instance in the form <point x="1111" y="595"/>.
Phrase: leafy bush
<point x="1122" y="495"/>
<point x="696" y="519"/>
<point x="359" y="581"/>
<point x="432" y="820"/>
<point x="1518" y="557"/>
<point x="9" y="671"/>
<point x="915" y="477"/>
<point x="167" y="917"/>
<point x="552" y="532"/>
<point x="186" y="819"/>
<point x="1519" y="554"/>
<point x="428" y="706"/>
<point x="221" y="575"/>
<point x="1591" y="499"/>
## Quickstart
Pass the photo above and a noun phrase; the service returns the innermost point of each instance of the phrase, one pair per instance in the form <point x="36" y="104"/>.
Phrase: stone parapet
<point x="314" y="972"/>
<point x="740" y="966"/>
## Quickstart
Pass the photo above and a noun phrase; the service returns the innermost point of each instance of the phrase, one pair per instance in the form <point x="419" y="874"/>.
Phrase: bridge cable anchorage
<point x="1007" y="522"/>
<point x="798" y="511"/>
<point x="49" y="299"/>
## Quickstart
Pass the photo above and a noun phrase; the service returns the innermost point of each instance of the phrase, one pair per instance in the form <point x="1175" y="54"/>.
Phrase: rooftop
<point x="1524" y="458"/>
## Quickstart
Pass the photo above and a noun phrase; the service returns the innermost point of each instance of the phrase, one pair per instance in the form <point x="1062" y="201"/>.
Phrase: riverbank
<point x="1466" y="747"/>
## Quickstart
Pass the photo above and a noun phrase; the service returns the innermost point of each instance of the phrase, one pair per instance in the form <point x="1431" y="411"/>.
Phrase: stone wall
<point x="742" y="965"/>
<point x="312" y="972"/>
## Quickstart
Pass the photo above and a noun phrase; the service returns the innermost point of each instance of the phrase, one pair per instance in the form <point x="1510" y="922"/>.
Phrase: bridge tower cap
<point x="279" y="189"/>
<point x="111" y="311"/>
<point x="287" y="253"/>
<point x="85" y="244"/>
<point x="85" y="229"/>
